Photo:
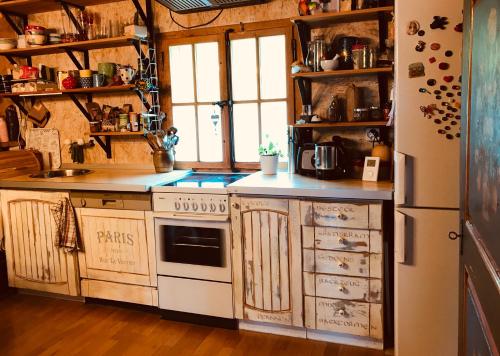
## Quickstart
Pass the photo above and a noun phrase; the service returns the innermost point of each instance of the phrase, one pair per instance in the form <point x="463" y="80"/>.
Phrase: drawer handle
<point x="342" y="312"/>
<point x="342" y="216"/>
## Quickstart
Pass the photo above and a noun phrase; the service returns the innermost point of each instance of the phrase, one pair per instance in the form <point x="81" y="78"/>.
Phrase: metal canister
<point x="163" y="160"/>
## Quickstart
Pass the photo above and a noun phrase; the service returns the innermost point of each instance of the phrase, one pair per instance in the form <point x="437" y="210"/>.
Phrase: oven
<point x="193" y="248"/>
<point x="193" y="255"/>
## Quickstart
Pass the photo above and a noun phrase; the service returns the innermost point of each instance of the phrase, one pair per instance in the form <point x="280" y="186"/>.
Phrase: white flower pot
<point x="269" y="164"/>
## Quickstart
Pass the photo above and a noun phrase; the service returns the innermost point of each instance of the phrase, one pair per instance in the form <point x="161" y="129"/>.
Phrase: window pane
<point x="181" y="73"/>
<point x="244" y="69"/>
<point x="274" y="125"/>
<point x="246" y="132"/>
<point x="210" y="135"/>
<point x="207" y="72"/>
<point x="185" y="121"/>
<point x="272" y="61"/>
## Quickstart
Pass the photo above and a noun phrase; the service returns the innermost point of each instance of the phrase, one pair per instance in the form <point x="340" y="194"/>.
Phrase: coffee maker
<point x="329" y="159"/>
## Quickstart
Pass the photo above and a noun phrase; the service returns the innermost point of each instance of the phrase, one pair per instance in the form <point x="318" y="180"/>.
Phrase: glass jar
<point x="333" y="112"/>
<point x="361" y="114"/>
<point x="357" y="55"/>
<point x="319" y="52"/>
<point x="123" y="122"/>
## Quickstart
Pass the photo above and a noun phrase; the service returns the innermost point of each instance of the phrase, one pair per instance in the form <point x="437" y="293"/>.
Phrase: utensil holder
<point x="163" y="160"/>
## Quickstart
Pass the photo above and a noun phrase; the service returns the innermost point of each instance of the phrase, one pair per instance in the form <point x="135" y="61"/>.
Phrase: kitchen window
<point x="262" y="96"/>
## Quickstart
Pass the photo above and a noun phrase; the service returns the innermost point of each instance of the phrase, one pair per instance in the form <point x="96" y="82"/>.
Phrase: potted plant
<point x="269" y="155"/>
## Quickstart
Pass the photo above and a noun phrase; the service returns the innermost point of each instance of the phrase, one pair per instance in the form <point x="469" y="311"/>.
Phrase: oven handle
<point x="191" y="216"/>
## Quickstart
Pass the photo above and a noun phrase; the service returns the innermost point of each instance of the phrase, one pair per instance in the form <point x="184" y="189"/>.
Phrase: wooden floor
<point x="34" y="325"/>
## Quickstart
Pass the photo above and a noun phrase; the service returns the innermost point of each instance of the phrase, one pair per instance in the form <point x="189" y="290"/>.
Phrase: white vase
<point x="269" y="164"/>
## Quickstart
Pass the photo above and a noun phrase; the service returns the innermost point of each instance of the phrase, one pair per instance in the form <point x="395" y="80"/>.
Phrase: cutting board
<point x="19" y="162"/>
<point x="46" y="141"/>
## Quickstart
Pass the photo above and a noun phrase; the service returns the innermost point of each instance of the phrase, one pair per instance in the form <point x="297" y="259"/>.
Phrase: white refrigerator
<point x="427" y="160"/>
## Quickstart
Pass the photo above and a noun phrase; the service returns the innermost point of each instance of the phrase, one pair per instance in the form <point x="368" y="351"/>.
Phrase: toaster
<point x="305" y="160"/>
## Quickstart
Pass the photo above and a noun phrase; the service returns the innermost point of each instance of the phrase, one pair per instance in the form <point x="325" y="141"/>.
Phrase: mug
<point x="85" y="73"/>
<point x="98" y="80"/>
<point x="108" y="69"/>
<point x="86" y="82"/>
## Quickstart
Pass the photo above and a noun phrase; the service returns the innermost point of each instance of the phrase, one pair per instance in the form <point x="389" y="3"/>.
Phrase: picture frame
<point x="371" y="169"/>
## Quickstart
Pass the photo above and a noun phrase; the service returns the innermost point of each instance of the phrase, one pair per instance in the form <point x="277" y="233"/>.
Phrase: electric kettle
<point x="329" y="158"/>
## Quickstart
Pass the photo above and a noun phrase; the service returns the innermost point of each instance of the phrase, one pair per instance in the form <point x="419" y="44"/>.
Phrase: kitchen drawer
<point x="340" y="287"/>
<point x="355" y="318"/>
<point x="358" y="216"/>
<point x="343" y="263"/>
<point x="333" y="238"/>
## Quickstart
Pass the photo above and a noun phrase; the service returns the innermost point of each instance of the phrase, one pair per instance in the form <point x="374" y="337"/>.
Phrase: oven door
<point x="193" y="249"/>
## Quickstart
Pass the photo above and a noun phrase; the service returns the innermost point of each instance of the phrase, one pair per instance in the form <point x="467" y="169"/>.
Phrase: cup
<point x="86" y="82"/>
<point x="98" y="80"/>
<point x="85" y="73"/>
<point x="108" y="69"/>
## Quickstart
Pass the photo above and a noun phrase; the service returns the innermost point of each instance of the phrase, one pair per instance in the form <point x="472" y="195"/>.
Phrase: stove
<point x="193" y="244"/>
<point x="196" y="193"/>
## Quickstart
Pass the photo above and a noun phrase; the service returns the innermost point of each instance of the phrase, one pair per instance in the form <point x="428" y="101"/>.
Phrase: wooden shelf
<point x="329" y="18"/>
<point x="341" y="73"/>
<point x="9" y="144"/>
<point x="117" y="133"/>
<point x="26" y="7"/>
<point x="99" y="90"/>
<point x="342" y="124"/>
<point x="114" y="42"/>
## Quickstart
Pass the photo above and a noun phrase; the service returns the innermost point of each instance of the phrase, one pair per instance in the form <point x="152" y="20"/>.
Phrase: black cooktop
<point x="207" y="180"/>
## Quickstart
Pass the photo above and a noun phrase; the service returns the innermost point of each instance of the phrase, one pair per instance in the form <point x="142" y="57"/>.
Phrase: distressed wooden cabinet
<point x="343" y="268"/>
<point x="118" y="257"/>
<point x="267" y="260"/>
<point x="33" y="260"/>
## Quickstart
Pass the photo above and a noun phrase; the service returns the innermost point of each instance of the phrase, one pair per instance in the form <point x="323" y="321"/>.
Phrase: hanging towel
<point x="64" y="216"/>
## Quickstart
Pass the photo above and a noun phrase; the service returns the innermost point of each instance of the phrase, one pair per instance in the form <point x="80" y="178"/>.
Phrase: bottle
<point x="333" y="112"/>
<point x="303" y="8"/>
<point x="309" y="62"/>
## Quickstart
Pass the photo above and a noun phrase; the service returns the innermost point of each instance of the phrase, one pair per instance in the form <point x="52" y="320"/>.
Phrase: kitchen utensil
<point x="329" y="159"/>
<point x="330" y="64"/>
<point x="152" y="141"/>
<point x="163" y="160"/>
<point x="305" y="160"/>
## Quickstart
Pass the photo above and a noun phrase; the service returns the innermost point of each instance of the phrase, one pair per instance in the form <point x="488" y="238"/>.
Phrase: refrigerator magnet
<point x="370" y="170"/>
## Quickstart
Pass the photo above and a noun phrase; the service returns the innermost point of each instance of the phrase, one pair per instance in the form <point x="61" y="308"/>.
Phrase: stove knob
<point x="222" y="207"/>
<point x="186" y="206"/>
<point x="203" y="206"/>
<point x="213" y="207"/>
<point x="177" y="206"/>
<point x="194" y="206"/>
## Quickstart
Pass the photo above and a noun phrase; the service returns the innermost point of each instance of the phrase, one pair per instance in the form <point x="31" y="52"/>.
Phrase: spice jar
<point x="357" y="55"/>
<point x="123" y="122"/>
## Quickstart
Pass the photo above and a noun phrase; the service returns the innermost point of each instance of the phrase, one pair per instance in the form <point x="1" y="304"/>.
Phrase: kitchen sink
<point x="61" y="173"/>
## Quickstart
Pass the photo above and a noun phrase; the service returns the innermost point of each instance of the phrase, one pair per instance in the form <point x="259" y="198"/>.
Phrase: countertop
<point x="122" y="180"/>
<point x="285" y="184"/>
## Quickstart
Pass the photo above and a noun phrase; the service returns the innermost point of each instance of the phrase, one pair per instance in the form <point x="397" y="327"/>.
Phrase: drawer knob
<point x="236" y="205"/>
<point x="342" y="289"/>
<point x="342" y="241"/>
<point x="341" y="264"/>
<point x="342" y="216"/>
<point x="341" y="312"/>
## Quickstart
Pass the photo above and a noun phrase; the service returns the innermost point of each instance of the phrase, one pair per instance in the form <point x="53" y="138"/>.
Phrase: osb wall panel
<point x="5" y="31"/>
<point x="68" y="119"/>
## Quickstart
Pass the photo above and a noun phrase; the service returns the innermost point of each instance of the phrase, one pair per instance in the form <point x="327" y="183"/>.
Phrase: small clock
<point x="370" y="171"/>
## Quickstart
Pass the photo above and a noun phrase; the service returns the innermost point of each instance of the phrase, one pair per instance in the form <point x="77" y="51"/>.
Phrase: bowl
<point x="7" y="43"/>
<point x="36" y="40"/>
<point x="329" y="64"/>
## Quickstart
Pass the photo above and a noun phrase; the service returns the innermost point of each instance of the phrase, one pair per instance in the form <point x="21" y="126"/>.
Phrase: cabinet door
<point x="33" y="260"/>
<point x="115" y="246"/>
<point x="267" y="260"/>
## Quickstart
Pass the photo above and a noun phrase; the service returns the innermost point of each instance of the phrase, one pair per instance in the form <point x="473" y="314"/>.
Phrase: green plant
<point x="270" y="149"/>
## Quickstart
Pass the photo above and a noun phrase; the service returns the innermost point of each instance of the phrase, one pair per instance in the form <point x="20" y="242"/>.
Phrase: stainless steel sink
<point x="61" y="173"/>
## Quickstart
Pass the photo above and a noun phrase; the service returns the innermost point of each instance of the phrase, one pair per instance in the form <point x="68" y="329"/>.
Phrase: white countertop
<point x="285" y="184"/>
<point x="122" y="180"/>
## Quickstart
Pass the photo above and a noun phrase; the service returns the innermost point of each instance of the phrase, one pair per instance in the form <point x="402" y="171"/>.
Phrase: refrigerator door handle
<point x="399" y="237"/>
<point x="400" y="181"/>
